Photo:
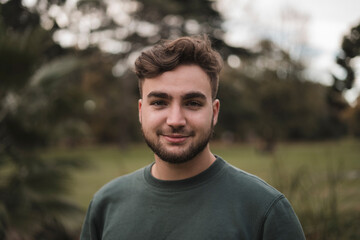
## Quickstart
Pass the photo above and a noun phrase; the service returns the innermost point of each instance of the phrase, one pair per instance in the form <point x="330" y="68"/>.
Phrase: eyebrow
<point x="159" y="95"/>
<point x="187" y="96"/>
<point x="192" y="95"/>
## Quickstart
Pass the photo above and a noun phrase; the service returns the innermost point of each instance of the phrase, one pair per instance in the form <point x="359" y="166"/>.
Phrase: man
<point x="188" y="192"/>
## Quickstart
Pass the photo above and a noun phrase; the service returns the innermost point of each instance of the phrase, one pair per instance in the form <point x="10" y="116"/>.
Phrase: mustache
<point x="180" y="131"/>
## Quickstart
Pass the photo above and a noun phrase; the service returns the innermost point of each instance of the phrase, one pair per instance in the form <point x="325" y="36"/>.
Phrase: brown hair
<point x="167" y="55"/>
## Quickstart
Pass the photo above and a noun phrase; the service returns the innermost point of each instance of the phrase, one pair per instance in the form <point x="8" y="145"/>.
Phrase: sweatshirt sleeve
<point x="89" y="231"/>
<point x="281" y="222"/>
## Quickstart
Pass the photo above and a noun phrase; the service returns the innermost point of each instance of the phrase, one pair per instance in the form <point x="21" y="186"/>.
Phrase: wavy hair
<point x="168" y="54"/>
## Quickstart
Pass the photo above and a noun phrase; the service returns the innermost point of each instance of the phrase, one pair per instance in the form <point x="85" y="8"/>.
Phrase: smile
<point x="175" y="138"/>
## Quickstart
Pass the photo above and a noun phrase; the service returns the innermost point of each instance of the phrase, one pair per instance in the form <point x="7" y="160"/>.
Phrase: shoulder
<point x="119" y="187"/>
<point x="248" y="182"/>
<point x="248" y="190"/>
<point x="260" y="199"/>
<point x="281" y="222"/>
<point x="109" y="197"/>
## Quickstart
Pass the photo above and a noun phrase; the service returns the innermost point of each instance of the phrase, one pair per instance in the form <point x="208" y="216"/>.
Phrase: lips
<point x="175" y="138"/>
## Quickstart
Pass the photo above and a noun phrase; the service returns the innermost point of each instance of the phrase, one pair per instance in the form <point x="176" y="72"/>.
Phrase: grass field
<point x="322" y="180"/>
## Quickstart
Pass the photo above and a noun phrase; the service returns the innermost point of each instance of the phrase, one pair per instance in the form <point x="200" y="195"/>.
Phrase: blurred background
<point x="290" y="109"/>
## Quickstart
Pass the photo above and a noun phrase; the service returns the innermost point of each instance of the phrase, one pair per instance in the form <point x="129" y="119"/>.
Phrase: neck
<point x="170" y="171"/>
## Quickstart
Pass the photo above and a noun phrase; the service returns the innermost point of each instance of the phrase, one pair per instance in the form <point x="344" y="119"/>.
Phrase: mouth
<point x="176" y="138"/>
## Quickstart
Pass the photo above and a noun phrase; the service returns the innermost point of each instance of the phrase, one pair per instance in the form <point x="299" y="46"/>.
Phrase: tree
<point x="350" y="49"/>
<point x="36" y="98"/>
<point x="267" y="99"/>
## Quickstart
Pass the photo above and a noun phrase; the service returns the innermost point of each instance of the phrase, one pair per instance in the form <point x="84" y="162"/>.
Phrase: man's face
<point x="177" y="113"/>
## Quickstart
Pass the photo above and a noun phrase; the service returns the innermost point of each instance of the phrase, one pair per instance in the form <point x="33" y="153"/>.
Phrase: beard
<point x="186" y="154"/>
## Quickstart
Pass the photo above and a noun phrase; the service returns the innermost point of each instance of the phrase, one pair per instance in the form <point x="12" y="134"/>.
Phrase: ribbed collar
<point x="184" y="184"/>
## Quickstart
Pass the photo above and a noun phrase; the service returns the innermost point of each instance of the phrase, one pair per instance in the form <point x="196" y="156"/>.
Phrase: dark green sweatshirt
<point x="222" y="202"/>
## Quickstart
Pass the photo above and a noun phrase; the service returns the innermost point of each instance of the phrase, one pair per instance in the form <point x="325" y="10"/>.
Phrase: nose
<point x="176" y="118"/>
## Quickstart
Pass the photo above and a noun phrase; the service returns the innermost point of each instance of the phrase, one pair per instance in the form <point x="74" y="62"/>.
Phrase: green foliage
<point x="350" y="48"/>
<point x="36" y="97"/>
<point x="317" y="198"/>
<point x="30" y="113"/>
<point x="274" y="101"/>
<point x="31" y="191"/>
<point x="354" y="119"/>
<point x="113" y="116"/>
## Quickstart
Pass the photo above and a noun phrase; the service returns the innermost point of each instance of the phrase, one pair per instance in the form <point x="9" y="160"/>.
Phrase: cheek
<point x="151" y="119"/>
<point x="201" y="119"/>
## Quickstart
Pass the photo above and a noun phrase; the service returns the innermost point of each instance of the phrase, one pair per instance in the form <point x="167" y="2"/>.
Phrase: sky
<point x="309" y="29"/>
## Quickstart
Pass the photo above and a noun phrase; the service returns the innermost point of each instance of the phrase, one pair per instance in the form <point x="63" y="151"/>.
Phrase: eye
<point x="158" y="103"/>
<point x="194" y="104"/>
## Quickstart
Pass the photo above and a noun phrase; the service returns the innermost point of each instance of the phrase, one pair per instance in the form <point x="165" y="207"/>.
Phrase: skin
<point x="177" y="114"/>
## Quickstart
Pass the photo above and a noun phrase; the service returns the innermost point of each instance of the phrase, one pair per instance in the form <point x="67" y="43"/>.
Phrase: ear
<point x="216" y="109"/>
<point x="139" y="108"/>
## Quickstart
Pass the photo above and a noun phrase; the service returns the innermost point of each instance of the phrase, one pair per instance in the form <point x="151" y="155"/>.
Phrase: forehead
<point x="181" y="80"/>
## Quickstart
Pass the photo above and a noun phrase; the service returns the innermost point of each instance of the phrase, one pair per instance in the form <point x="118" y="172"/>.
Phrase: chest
<point x="177" y="216"/>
